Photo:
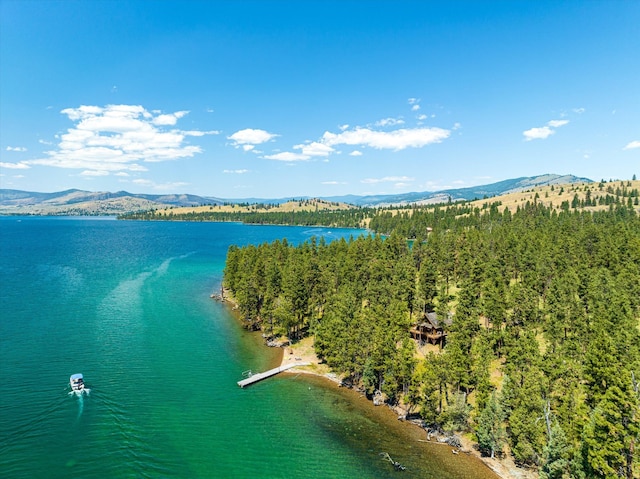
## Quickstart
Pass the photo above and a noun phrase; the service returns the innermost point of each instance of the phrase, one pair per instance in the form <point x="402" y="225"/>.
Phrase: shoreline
<point x="303" y="352"/>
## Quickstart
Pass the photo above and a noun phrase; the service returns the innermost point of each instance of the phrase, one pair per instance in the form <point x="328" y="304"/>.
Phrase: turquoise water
<point x="127" y="304"/>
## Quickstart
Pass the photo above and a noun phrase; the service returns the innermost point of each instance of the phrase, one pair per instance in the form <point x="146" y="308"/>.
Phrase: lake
<point x="127" y="304"/>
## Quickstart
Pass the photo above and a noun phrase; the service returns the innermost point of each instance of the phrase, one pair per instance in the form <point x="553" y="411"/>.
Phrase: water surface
<point x="127" y="304"/>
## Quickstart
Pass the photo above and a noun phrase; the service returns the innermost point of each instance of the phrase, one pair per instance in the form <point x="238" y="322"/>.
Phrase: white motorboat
<point x="77" y="384"/>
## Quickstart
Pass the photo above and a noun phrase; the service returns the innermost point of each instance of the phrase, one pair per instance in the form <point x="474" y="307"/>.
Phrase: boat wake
<point x="80" y="407"/>
<point x="76" y="381"/>
<point x="80" y="393"/>
<point x="164" y="267"/>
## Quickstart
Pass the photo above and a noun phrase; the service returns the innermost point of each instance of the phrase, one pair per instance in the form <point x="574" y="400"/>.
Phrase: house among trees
<point x="430" y="329"/>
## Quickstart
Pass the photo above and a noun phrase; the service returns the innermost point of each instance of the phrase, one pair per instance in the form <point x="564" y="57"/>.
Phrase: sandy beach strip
<point x="303" y="352"/>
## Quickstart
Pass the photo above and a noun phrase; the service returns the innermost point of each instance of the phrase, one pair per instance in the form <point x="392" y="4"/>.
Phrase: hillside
<point x="519" y="327"/>
<point x="588" y="195"/>
<point x="86" y="203"/>
<point x="313" y="204"/>
<point x="457" y="194"/>
<point x="79" y="202"/>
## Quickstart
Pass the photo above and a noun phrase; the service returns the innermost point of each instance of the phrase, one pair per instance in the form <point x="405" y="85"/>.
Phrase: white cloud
<point x="169" y="118"/>
<point x="414" y="102"/>
<point x="236" y="172"/>
<point x="538" y="133"/>
<point x="387" y="179"/>
<point x="14" y="166"/>
<point x="344" y="127"/>
<point x="333" y="183"/>
<point x="118" y="137"/>
<point x="389" y="122"/>
<point x="355" y="153"/>
<point x="314" y="149"/>
<point x="288" y="156"/>
<point x="83" y="111"/>
<point x="632" y="145"/>
<point x="421" y="117"/>
<point x="251" y="136"/>
<point x="91" y="173"/>
<point x="199" y="133"/>
<point x="16" y="148"/>
<point x="557" y="123"/>
<point x="122" y="173"/>
<point x="543" y="132"/>
<point x="393" y="140"/>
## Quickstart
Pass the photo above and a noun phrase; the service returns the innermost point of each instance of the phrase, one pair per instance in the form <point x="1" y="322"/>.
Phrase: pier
<point x="254" y="378"/>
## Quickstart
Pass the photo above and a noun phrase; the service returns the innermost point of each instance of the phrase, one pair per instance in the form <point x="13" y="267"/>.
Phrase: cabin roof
<point x="432" y="318"/>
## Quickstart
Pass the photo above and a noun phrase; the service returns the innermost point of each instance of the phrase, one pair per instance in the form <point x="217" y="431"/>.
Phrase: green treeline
<point x="542" y="355"/>
<point x="347" y="218"/>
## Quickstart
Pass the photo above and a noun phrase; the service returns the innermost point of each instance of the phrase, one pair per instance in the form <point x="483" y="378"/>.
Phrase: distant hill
<point x="67" y="197"/>
<point x="474" y="192"/>
<point x="311" y="204"/>
<point x="79" y="202"/>
<point x="586" y="196"/>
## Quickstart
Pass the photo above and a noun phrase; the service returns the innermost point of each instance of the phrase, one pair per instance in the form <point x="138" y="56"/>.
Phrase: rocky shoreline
<point x="303" y="352"/>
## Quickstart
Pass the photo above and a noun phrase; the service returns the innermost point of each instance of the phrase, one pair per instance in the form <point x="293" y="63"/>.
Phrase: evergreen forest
<point x="542" y="353"/>
<point x="346" y="218"/>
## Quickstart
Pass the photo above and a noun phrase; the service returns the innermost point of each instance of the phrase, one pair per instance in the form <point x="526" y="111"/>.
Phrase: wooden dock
<point x="254" y="378"/>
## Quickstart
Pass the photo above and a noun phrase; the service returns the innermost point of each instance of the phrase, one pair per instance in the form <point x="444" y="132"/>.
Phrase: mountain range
<point x="78" y="202"/>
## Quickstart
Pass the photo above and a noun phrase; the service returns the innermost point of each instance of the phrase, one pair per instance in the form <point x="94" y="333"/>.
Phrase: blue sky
<point x="238" y="99"/>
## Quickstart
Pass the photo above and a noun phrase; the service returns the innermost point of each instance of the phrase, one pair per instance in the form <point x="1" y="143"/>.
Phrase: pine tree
<point x="610" y="436"/>
<point x="490" y="431"/>
<point x="558" y="457"/>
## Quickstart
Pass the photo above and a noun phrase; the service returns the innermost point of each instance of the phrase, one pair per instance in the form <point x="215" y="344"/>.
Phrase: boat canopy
<point x="75" y="377"/>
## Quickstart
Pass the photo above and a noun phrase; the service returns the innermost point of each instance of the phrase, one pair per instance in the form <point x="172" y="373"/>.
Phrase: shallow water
<point x="127" y="304"/>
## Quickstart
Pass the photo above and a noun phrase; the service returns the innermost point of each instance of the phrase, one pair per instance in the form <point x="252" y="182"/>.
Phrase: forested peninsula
<point x="309" y="212"/>
<point x="519" y="326"/>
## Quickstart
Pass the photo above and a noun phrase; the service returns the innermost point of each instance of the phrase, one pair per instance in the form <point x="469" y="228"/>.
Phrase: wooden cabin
<point x="430" y="329"/>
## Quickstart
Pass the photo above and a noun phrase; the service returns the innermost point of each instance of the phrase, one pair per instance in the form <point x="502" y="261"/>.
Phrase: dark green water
<point x="127" y="304"/>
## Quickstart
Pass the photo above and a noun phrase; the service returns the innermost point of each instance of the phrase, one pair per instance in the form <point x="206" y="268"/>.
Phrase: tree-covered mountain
<point x="542" y="354"/>
<point x="456" y="194"/>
